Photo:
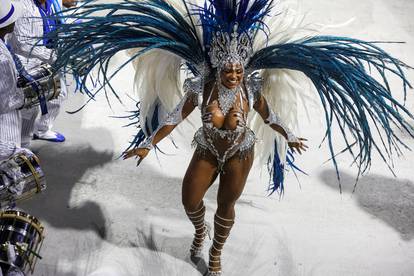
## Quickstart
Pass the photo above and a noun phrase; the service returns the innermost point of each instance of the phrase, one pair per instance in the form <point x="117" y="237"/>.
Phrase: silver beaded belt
<point x="204" y="143"/>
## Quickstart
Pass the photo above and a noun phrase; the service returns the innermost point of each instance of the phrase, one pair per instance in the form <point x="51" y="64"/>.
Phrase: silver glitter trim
<point x="204" y="141"/>
<point x="273" y="119"/>
<point x="227" y="97"/>
<point x="147" y="143"/>
<point x="230" y="48"/>
<point x="254" y="85"/>
<point x="194" y="86"/>
<point x="173" y="118"/>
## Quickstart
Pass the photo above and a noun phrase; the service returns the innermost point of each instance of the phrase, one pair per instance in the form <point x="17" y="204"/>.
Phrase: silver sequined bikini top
<point x="253" y="84"/>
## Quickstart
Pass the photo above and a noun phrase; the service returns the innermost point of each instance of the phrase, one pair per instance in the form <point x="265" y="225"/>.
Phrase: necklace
<point x="226" y="97"/>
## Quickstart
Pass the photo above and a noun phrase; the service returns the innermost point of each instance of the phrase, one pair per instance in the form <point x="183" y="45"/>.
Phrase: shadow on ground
<point x="80" y="229"/>
<point x="164" y="244"/>
<point x="64" y="167"/>
<point x="157" y="197"/>
<point x="389" y="199"/>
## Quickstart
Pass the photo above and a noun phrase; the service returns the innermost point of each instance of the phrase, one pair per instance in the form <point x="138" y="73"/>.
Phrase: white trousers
<point x="46" y="121"/>
<point x="10" y="133"/>
<point x="29" y="117"/>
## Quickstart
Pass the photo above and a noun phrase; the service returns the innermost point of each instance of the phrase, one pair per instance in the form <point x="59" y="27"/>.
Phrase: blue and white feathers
<point x="340" y="68"/>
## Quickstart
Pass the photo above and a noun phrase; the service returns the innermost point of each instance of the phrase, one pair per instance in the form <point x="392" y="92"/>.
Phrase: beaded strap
<point x="273" y="119"/>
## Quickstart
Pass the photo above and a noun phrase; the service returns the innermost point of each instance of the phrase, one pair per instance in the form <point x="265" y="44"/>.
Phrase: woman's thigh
<point x="233" y="179"/>
<point x="200" y="174"/>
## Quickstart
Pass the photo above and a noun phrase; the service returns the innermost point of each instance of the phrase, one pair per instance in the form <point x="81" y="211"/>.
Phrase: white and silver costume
<point x="241" y="140"/>
<point x="294" y="62"/>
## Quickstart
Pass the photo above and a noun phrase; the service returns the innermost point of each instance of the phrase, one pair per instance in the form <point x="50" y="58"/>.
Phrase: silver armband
<point x="176" y="116"/>
<point x="194" y="87"/>
<point x="254" y="84"/>
<point x="273" y="119"/>
<point x="173" y="118"/>
<point x="147" y="143"/>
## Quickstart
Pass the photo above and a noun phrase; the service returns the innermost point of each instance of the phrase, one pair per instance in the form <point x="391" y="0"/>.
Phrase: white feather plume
<point x="157" y="81"/>
<point x="286" y="91"/>
<point x="159" y="76"/>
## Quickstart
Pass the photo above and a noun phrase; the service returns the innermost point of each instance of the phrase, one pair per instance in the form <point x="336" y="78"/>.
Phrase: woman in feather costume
<point x="234" y="62"/>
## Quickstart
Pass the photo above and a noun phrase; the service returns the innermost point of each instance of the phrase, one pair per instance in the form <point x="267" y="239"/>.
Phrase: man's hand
<point x="69" y="3"/>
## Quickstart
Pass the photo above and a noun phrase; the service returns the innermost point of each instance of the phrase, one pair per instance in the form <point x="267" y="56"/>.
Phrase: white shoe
<point x="49" y="135"/>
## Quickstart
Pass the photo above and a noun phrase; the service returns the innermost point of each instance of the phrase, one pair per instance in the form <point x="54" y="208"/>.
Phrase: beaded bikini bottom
<point x="204" y="143"/>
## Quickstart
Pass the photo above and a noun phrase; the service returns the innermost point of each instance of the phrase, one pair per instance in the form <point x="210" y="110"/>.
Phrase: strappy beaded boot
<point x="222" y="227"/>
<point x="201" y="231"/>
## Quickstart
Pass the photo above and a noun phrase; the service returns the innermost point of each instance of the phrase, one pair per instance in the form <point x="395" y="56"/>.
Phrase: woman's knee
<point x="191" y="204"/>
<point x="225" y="207"/>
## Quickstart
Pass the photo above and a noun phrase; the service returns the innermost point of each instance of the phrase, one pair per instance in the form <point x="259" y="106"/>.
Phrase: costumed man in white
<point x="43" y="127"/>
<point x="34" y="24"/>
<point x="11" y="99"/>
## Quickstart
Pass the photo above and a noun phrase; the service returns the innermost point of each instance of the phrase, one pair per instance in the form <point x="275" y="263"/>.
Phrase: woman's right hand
<point x="206" y="118"/>
<point x="140" y="153"/>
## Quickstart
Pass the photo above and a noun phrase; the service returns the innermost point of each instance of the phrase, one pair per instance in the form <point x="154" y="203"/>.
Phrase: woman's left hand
<point x="299" y="145"/>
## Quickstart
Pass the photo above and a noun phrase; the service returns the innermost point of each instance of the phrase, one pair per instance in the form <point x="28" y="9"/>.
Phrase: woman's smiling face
<point x="232" y="75"/>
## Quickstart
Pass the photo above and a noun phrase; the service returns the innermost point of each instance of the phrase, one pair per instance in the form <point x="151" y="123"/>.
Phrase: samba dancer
<point x="224" y="144"/>
<point x="236" y="62"/>
<point x="32" y="26"/>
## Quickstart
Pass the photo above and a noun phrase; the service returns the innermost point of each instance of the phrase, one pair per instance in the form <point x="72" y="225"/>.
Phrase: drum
<point x="49" y="85"/>
<point x="21" y="238"/>
<point x="21" y="177"/>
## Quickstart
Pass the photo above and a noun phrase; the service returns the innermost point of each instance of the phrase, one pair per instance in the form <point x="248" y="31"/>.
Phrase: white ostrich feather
<point x="286" y="91"/>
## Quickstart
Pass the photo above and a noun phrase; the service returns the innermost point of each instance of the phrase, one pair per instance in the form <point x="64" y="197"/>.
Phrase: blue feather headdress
<point x="225" y="16"/>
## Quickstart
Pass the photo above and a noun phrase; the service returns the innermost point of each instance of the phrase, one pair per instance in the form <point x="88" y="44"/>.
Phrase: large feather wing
<point x="108" y="28"/>
<point x="340" y="69"/>
<point x="287" y="92"/>
<point x="158" y="86"/>
<point x="159" y="35"/>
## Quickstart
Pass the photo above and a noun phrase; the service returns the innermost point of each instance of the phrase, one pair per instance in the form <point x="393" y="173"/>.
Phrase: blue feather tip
<point x="277" y="171"/>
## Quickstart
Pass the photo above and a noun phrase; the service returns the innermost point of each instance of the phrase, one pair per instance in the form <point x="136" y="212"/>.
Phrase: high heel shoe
<point x="210" y="271"/>
<point x="198" y="242"/>
<point x="222" y="227"/>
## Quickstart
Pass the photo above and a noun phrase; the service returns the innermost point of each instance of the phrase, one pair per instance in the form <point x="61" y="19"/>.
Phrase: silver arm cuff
<point x="173" y="118"/>
<point x="194" y="86"/>
<point x="273" y="119"/>
<point x="176" y="116"/>
<point x="147" y="143"/>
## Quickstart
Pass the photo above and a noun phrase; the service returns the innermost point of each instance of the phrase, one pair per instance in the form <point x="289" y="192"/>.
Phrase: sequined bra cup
<point x="240" y="140"/>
